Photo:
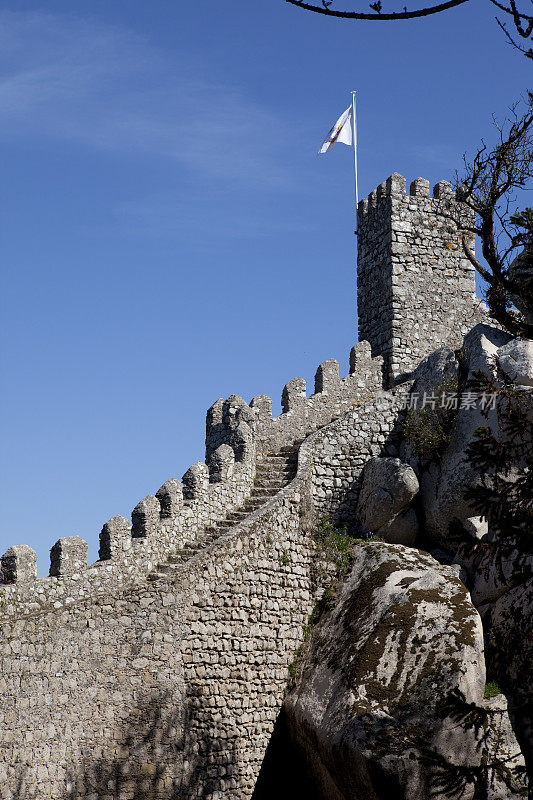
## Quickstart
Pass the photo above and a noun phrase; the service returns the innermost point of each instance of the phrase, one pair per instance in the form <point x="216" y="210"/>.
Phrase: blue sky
<point x="170" y="235"/>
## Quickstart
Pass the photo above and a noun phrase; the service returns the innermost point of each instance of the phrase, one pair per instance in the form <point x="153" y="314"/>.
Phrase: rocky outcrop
<point x="497" y="563"/>
<point x="444" y="483"/>
<point x="438" y="369"/>
<point x="392" y="683"/>
<point x="509" y="627"/>
<point x="516" y="361"/>
<point x="387" y="489"/>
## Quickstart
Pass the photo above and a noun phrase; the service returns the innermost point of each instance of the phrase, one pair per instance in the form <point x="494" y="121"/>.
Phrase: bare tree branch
<point x="488" y="187"/>
<point x="517" y="17"/>
<point x="528" y="53"/>
<point x="422" y="12"/>
<point x="523" y="22"/>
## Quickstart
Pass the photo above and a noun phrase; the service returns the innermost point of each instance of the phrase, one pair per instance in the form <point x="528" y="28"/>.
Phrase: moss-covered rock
<point x="393" y="678"/>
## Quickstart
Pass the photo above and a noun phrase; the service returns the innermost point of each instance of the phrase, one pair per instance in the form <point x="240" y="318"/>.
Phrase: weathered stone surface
<point x="438" y="368"/>
<point x="415" y="286"/>
<point x="480" y="348"/>
<point x="510" y="647"/>
<point x="516" y="360"/>
<point x="444" y="483"/>
<point x="18" y="564"/>
<point x="170" y="497"/>
<point x="387" y="489"/>
<point x="376" y="686"/>
<point x="402" y="530"/>
<point x="115" y="538"/>
<point x="476" y="527"/>
<point x="68" y="556"/>
<point x="145" y="517"/>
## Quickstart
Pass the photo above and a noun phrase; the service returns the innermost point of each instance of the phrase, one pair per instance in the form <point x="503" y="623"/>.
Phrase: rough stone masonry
<point x="162" y="667"/>
<point x="415" y="286"/>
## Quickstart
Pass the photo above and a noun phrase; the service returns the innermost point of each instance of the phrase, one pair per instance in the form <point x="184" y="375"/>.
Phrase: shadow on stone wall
<point x="154" y="757"/>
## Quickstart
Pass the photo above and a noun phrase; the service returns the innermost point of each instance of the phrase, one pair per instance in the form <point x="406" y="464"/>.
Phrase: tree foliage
<point x="503" y="459"/>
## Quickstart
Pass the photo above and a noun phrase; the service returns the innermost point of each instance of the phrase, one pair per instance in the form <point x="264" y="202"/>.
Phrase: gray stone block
<point x="145" y="517"/>
<point x="115" y="538"/>
<point x="19" y="564"/>
<point x="68" y="556"/>
<point x="170" y="497"/>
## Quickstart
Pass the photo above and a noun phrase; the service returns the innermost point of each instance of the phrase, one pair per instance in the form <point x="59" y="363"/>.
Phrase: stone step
<point x="266" y="474"/>
<point x="275" y="468"/>
<point x="263" y="497"/>
<point x="272" y="475"/>
<point x="254" y="503"/>
<point x="175" y="558"/>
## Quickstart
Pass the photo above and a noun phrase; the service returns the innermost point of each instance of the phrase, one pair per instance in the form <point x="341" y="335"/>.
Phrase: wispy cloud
<point x="102" y="87"/>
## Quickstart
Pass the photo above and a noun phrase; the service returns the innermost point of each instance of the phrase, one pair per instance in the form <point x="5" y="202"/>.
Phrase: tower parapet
<point x="415" y="285"/>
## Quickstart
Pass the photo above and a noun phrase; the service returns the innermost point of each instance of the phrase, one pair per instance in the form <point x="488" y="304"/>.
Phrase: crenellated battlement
<point x="160" y="523"/>
<point x="237" y="436"/>
<point x="396" y="186"/>
<point x="415" y="293"/>
<point x="415" y="284"/>
<point x="301" y="415"/>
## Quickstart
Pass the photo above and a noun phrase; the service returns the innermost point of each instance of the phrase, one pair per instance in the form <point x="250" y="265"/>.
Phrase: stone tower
<point x="415" y="286"/>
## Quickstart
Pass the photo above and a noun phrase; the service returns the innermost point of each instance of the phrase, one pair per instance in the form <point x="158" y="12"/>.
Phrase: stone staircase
<point x="273" y="472"/>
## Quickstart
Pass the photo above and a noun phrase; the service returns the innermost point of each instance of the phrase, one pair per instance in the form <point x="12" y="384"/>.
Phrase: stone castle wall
<point x="92" y="652"/>
<point x="114" y="672"/>
<point x="415" y="285"/>
<point x="237" y="435"/>
<point x="200" y="658"/>
<point x="342" y="449"/>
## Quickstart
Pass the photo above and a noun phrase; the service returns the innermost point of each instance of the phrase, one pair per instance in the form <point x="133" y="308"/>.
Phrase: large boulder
<point x="436" y="373"/>
<point x="387" y="488"/>
<point x="444" y="483"/>
<point x="516" y="360"/>
<point x="393" y="678"/>
<point x="510" y="648"/>
<point x="438" y="369"/>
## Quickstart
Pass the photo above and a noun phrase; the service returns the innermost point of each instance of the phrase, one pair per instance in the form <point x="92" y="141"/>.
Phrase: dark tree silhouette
<point x="488" y="186"/>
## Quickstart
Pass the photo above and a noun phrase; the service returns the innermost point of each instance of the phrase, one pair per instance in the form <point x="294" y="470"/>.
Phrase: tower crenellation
<point x="415" y="285"/>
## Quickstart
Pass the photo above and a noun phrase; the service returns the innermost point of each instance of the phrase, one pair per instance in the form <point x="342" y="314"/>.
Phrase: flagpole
<point x="354" y="127"/>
